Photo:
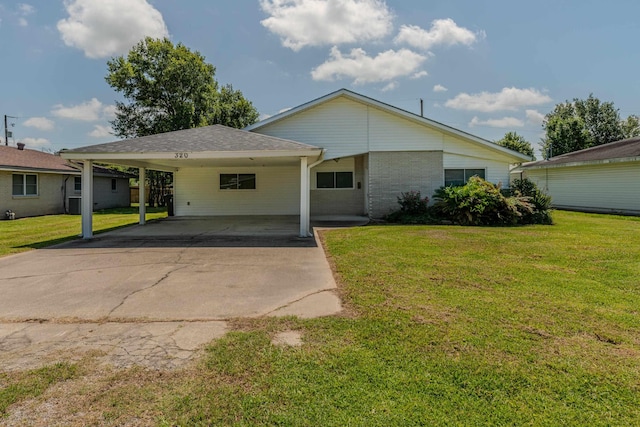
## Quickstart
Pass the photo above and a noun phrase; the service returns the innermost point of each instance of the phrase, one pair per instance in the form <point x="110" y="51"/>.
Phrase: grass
<point x="36" y="232"/>
<point x="445" y="325"/>
<point x="31" y="384"/>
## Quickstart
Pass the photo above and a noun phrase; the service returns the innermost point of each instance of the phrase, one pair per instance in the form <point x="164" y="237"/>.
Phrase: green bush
<point x="541" y="202"/>
<point x="480" y="203"/>
<point x="412" y="203"/>
<point x="414" y="209"/>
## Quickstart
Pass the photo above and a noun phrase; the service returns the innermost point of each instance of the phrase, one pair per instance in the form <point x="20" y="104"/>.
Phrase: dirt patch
<point x="156" y="345"/>
<point x="288" y="338"/>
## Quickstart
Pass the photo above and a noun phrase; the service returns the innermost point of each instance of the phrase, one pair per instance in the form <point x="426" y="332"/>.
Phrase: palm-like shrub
<point x="541" y="202"/>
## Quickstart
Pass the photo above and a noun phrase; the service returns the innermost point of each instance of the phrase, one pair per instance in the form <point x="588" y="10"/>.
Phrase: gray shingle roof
<point x="207" y="138"/>
<point x="12" y="157"/>
<point x="626" y="148"/>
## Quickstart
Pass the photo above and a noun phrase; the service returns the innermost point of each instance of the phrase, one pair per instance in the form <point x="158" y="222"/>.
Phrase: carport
<point x="218" y="171"/>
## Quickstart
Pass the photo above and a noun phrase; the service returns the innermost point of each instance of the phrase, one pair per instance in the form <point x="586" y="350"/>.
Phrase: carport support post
<point x="87" y="199"/>
<point x="304" y="198"/>
<point x="142" y="196"/>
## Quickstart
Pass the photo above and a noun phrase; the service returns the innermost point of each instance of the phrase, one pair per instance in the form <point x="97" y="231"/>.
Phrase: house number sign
<point x="181" y="156"/>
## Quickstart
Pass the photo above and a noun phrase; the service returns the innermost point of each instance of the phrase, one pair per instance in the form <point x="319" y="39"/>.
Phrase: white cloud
<point x="100" y="131"/>
<point x="386" y="66"/>
<point x="40" y="123"/>
<point x="420" y="74"/>
<point x="439" y="88"/>
<point x="535" y="117"/>
<point x="443" y="32"/>
<point x="106" y="28"/>
<point x="390" y="86"/>
<point x="509" y="98"/>
<point x="301" y="23"/>
<point x="26" y="9"/>
<point x="109" y="112"/>
<point x="505" y="122"/>
<point x="89" y="111"/>
<point x="36" y="142"/>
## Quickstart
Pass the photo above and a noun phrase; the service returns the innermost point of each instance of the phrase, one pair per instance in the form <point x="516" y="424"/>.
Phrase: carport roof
<point x="216" y="138"/>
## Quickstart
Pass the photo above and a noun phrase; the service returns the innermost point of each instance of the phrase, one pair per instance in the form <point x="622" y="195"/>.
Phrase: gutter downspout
<point x="312" y="165"/>
<point x="64" y="194"/>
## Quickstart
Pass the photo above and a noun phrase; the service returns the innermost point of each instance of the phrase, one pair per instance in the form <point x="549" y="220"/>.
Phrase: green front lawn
<point x="36" y="232"/>
<point x="445" y="325"/>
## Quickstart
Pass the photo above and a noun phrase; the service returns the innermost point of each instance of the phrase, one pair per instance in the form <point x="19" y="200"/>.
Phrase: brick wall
<point x="391" y="173"/>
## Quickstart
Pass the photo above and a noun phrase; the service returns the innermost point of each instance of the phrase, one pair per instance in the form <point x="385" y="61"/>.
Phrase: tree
<point x="517" y="143"/>
<point x="581" y="124"/>
<point x="631" y="126"/>
<point x="169" y="87"/>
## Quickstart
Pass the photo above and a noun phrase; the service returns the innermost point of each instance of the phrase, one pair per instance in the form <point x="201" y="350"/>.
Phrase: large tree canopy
<point x="517" y="143"/>
<point x="169" y="87"/>
<point x="580" y="124"/>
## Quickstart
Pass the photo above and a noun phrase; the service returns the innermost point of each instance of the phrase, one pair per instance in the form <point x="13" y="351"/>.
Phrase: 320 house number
<point x="181" y="156"/>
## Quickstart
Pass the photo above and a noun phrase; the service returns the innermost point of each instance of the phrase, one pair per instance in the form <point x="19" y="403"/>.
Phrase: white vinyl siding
<point x="197" y="192"/>
<point x="345" y="127"/>
<point x="392" y="133"/>
<point x="339" y="126"/>
<point x="610" y="187"/>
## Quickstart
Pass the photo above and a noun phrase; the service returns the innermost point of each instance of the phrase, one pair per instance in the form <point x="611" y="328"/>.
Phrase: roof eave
<point x="186" y="155"/>
<point x="8" y="168"/>
<point x="548" y="164"/>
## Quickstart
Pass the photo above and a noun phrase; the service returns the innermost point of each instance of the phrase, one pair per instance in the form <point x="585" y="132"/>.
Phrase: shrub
<point x="414" y="209"/>
<point x="541" y="202"/>
<point x="412" y="203"/>
<point x="480" y="203"/>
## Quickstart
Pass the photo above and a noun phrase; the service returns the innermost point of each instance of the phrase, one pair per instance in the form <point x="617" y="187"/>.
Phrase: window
<point x="334" y="180"/>
<point x="25" y="184"/>
<point x="237" y="181"/>
<point x="455" y="177"/>
<point x="77" y="184"/>
<point x="114" y="185"/>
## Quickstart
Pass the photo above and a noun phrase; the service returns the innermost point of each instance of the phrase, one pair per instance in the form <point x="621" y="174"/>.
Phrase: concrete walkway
<point x="145" y="292"/>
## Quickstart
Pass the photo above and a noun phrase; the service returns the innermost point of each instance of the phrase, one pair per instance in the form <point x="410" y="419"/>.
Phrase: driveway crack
<point x="153" y="285"/>
<point x="299" y="299"/>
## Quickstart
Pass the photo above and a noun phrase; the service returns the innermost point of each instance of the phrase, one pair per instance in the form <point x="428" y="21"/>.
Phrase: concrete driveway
<point x="171" y="275"/>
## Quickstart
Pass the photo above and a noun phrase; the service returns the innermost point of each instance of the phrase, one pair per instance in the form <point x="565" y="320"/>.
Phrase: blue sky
<point x="486" y="67"/>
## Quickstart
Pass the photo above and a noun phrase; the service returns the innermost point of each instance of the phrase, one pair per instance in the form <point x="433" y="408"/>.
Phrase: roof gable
<point x="423" y="121"/>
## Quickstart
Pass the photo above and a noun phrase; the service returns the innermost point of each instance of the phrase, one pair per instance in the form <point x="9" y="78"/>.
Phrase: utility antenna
<point x="7" y="134"/>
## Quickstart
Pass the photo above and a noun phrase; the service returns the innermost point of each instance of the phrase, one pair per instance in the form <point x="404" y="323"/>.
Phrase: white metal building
<point x="605" y="178"/>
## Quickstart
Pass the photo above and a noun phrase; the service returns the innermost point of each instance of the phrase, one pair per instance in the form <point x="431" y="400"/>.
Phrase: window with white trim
<point x="455" y="177"/>
<point x="334" y="179"/>
<point x="77" y="184"/>
<point x="237" y="181"/>
<point x="25" y="184"/>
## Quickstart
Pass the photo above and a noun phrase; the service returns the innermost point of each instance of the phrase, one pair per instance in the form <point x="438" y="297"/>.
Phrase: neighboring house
<point x="35" y="183"/>
<point x="605" y="178"/>
<point x="342" y="154"/>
